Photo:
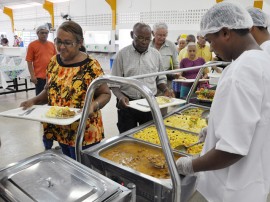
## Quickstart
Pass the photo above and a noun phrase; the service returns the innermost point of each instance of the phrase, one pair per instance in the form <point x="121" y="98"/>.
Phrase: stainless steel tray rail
<point x="208" y="64"/>
<point x="157" y="117"/>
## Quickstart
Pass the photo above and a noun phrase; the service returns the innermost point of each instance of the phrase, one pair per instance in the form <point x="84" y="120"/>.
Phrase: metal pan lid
<point x="50" y="177"/>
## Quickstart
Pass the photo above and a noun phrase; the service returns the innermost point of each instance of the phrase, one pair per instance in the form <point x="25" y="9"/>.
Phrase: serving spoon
<point x="184" y="148"/>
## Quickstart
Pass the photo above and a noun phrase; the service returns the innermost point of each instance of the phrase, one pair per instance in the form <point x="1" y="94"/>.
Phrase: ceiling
<point x="15" y="3"/>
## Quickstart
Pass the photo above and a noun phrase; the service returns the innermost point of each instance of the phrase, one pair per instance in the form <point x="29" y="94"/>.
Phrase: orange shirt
<point x="40" y="54"/>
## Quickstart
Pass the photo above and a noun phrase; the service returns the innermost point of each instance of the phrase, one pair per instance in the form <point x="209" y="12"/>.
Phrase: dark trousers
<point x="40" y="85"/>
<point x="39" y="88"/>
<point x="129" y="118"/>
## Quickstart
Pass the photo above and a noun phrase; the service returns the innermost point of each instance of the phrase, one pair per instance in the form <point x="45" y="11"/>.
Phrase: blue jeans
<point x="47" y="143"/>
<point x="70" y="151"/>
<point x="184" y="91"/>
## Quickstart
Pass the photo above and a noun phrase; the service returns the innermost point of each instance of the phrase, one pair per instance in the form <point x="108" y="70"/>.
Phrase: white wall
<point x="182" y="16"/>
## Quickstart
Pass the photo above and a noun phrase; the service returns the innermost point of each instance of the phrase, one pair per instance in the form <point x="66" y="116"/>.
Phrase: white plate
<point x="189" y="80"/>
<point x="142" y="104"/>
<point x="38" y="114"/>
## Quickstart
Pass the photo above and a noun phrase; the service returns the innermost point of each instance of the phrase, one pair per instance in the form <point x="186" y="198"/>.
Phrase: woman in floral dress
<point x="69" y="74"/>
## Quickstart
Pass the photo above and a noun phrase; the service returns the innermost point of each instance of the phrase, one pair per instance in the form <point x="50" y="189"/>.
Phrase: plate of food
<point x="189" y="80"/>
<point x="47" y="114"/>
<point x="205" y="95"/>
<point x="163" y="101"/>
<point x="60" y="112"/>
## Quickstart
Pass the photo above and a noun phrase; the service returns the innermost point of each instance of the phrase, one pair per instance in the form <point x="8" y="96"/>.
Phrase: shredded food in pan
<point x="186" y="122"/>
<point x="176" y="137"/>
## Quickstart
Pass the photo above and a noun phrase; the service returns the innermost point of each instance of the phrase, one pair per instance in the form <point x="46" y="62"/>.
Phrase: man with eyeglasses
<point x="39" y="53"/>
<point x="136" y="59"/>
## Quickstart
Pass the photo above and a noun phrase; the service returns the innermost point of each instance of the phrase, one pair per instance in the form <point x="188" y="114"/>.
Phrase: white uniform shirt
<point x="240" y="123"/>
<point x="266" y="46"/>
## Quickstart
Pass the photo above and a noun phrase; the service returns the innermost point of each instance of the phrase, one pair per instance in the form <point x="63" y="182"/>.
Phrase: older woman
<point x="191" y="61"/>
<point x="69" y="74"/>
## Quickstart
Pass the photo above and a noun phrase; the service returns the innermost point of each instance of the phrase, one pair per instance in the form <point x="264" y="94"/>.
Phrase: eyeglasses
<point x="43" y="33"/>
<point x="142" y="39"/>
<point x="161" y="35"/>
<point x="67" y="44"/>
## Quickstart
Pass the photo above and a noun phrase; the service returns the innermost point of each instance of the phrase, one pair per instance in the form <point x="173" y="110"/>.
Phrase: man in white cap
<point x="235" y="158"/>
<point x="39" y="53"/>
<point x="261" y="21"/>
<point x="38" y="56"/>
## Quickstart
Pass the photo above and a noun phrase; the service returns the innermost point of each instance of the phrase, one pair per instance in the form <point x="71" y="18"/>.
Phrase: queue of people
<point x="233" y="165"/>
<point x="136" y="59"/>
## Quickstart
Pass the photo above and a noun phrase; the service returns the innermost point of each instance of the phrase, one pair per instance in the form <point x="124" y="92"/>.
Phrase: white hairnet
<point x="42" y="27"/>
<point x="260" y="19"/>
<point x="225" y="14"/>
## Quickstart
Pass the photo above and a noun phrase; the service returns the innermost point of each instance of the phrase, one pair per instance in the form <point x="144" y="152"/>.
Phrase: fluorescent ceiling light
<point x="25" y="5"/>
<point x="57" y="1"/>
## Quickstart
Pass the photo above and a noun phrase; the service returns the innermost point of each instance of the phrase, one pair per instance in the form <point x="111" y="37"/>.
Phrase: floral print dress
<point x="67" y="86"/>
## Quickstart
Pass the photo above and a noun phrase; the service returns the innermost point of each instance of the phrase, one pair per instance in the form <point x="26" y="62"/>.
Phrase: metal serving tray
<point x="50" y="176"/>
<point x="186" y="107"/>
<point x="148" y="188"/>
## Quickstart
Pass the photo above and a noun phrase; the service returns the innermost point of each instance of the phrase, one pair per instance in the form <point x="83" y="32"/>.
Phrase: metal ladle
<point x="184" y="148"/>
<point x="205" y="115"/>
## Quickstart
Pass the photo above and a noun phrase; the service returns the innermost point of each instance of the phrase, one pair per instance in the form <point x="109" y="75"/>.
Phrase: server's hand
<point x="184" y="166"/>
<point x="202" y="134"/>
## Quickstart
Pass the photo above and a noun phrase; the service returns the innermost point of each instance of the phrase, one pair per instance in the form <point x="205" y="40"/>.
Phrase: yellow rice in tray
<point x="176" y="138"/>
<point x="196" y="111"/>
<point x="186" y="122"/>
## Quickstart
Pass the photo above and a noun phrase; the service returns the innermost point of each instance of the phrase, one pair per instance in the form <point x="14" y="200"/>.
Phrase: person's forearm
<point x="117" y="92"/>
<point x="31" y="68"/>
<point x="214" y="160"/>
<point x="41" y="98"/>
<point x="162" y="87"/>
<point x="101" y="101"/>
<point x="102" y="97"/>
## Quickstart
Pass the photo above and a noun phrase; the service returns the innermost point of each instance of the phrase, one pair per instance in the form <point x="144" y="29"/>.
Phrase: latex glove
<point x="184" y="166"/>
<point x="202" y="134"/>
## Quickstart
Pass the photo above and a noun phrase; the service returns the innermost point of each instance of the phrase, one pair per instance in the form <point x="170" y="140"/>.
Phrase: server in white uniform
<point x="234" y="164"/>
<point x="261" y="21"/>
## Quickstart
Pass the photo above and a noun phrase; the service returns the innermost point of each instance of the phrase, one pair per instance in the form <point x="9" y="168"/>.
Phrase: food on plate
<point x="176" y="137"/>
<point x="161" y="100"/>
<point x="189" y="123"/>
<point x="60" y="112"/>
<point x="205" y="94"/>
